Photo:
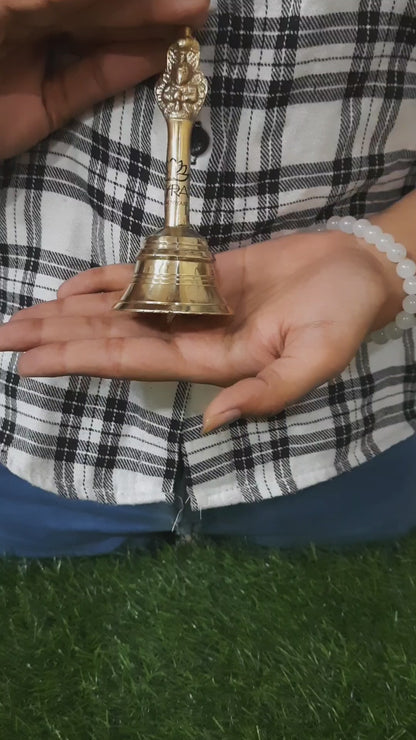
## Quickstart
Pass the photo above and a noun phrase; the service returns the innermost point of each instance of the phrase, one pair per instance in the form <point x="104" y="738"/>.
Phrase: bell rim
<point x="180" y="308"/>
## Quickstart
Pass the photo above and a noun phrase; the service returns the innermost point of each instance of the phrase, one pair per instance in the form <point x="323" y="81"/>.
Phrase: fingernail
<point x="214" y="422"/>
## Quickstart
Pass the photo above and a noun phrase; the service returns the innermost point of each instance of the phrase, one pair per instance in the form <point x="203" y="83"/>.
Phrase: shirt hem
<point x="235" y="495"/>
<point x="215" y="499"/>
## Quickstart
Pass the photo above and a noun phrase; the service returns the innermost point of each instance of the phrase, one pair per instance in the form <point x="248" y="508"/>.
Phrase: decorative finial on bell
<point x="175" y="271"/>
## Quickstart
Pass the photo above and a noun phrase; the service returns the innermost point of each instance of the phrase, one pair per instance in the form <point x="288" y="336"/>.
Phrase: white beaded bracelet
<point x="405" y="268"/>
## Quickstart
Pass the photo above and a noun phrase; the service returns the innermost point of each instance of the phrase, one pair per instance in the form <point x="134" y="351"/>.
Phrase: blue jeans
<point x="374" y="502"/>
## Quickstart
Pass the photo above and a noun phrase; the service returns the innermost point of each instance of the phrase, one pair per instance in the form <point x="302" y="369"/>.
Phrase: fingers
<point x="310" y="360"/>
<point x="146" y="358"/>
<point x="85" y="305"/>
<point x="20" y="336"/>
<point x="98" y="16"/>
<point x="101" y="19"/>
<point x="22" y="116"/>
<point x="102" y="74"/>
<point x="177" y="12"/>
<point x="97" y="280"/>
<point x="82" y="38"/>
<point x="90" y="293"/>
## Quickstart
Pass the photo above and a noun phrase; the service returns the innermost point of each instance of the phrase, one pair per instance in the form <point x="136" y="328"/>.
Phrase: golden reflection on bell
<point x="175" y="271"/>
<point x="174" y="274"/>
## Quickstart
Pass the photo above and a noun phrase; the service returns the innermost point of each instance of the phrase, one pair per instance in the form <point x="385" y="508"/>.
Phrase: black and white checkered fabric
<point x="311" y="111"/>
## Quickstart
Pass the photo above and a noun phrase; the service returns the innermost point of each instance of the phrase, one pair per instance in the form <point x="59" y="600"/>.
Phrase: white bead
<point x="333" y="222"/>
<point x="396" y="253"/>
<point x="320" y="227"/>
<point x="409" y="285"/>
<point x="346" y="224"/>
<point x="409" y="304"/>
<point x="372" y="233"/>
<point x="379" y="337"/>
<point x="393" y="331"/>
<point x="360" y="226"/>
<point x="405" y="320"/>
<point x="384" y="242"/>
<point x="406" y="268"/>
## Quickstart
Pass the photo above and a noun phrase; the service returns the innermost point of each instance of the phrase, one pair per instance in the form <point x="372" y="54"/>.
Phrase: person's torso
<point x="310" y="112"/>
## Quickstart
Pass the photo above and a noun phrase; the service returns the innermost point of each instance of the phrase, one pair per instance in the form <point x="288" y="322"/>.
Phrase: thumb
<point x="304" y="365"/>
<point x="105" y="72"/>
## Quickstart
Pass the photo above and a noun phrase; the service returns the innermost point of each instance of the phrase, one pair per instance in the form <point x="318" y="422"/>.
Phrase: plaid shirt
<point x="311" y="112"/>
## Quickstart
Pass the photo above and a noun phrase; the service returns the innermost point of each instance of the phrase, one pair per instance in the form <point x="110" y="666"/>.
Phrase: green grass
<point x="202" y="642"/>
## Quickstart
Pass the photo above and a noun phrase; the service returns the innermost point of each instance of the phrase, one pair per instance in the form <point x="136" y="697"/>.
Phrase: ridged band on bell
<point x="174" y="274"/>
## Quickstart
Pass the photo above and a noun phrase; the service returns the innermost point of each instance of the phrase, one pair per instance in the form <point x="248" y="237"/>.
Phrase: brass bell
<point x="175" y="272"/>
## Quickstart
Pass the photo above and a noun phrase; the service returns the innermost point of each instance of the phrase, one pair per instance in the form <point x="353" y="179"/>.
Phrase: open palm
<point x="302" y="306"/>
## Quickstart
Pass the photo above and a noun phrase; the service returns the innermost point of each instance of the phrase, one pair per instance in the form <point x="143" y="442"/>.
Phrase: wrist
<point x="386" y="283"/>
<point x="397" y="305"/>
<point x="392" y="283"/>
<point x="400" y="221"/>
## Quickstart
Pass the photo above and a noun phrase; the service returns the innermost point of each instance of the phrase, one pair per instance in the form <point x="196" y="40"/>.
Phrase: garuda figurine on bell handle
<point x="175" y="271"/>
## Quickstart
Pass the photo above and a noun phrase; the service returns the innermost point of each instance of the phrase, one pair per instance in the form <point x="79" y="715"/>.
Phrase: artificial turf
<point x="203" y="641"/>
